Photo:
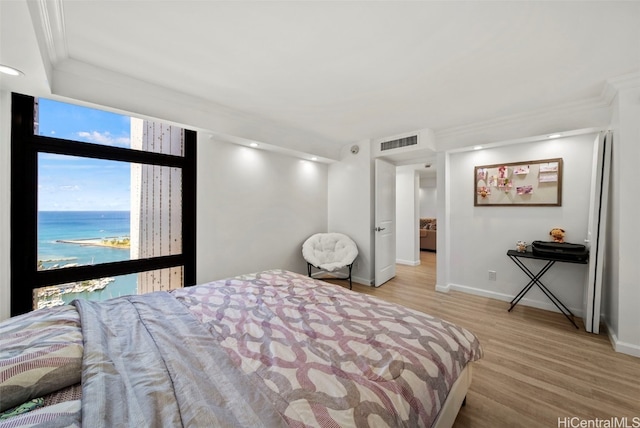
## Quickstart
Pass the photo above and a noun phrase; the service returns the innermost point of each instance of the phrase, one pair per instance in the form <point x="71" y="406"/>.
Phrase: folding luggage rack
<point x="535" y="279"/>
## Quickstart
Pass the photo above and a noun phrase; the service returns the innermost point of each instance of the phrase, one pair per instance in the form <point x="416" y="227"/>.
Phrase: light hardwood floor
<point x="538" y="369"/>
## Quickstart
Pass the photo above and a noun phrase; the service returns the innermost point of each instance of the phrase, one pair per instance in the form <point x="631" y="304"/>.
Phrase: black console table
<point x="535" y="279"/>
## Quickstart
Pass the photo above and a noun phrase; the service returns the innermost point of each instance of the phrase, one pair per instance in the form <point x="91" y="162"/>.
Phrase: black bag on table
<point x="560" y="250"/>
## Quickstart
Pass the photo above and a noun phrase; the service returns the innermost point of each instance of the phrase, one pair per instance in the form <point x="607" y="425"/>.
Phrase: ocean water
<point x="54" y="226"/>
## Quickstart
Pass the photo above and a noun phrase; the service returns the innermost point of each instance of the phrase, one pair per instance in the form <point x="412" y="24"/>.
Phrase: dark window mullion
<point x="98" y="151"/>
<point x="126" y="267"/>
<point x="24" y="205"/>
<point x="189" y="215"/>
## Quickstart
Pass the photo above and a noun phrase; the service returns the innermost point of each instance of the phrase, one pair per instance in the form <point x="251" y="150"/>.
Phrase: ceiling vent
<point x="400" y="142"/>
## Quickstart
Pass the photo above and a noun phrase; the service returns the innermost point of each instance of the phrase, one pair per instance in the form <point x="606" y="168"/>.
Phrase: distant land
<point x="114" y="242"/>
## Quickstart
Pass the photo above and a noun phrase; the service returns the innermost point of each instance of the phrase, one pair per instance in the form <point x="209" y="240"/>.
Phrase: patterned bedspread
<point x="327" y="356"/>
<point x="269" y="349"/>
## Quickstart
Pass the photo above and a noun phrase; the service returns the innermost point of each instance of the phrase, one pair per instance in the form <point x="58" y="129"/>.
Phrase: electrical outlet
<point x="492" y="275"/>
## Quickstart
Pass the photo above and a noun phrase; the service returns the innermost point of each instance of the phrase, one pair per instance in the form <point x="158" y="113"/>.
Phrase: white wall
<point x="407" y="211"/>
<point x="350" y="206"/>
<point x="479" y="237"/>
<point x="5" y="203"/>
<point x="621" y="285"/>
<point x="255" y="209"/>
<point x="428" y="197"/>
<point x="610" y="297"/>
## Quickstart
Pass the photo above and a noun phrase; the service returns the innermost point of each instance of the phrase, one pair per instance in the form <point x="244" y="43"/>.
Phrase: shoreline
<point x="122" y="242"/>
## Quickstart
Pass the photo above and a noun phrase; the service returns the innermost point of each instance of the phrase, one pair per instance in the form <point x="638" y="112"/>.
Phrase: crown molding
<point x="614" y="85"/>
<point x="603" y="101"/>
<point x="531" y="116"/>
<point x="625" y="81"/>
<point x="47" y="18"/>
<point x="51" y="14"/>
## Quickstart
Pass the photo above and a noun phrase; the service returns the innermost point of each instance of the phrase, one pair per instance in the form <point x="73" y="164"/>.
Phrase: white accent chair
<point x="330" y="252"/>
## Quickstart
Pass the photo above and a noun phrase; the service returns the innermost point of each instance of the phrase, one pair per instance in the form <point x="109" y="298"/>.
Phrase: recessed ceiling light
<point x="477" y="147"/>
<point x="10" y="70"/>
<point x="555" y="135"/>
<point x="253" y="144"/>
<point x="314" y="158"/>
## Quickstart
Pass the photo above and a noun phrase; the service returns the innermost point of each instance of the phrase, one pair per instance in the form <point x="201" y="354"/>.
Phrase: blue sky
<point x="67" y="183"/>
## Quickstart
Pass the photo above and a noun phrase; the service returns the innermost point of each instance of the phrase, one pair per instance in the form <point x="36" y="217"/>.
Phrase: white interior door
<point x="596" y="235"/>
<point x="385" y="221"/>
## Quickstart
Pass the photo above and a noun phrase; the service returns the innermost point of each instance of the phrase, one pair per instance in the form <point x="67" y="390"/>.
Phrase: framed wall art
<point x="531" y="183"/>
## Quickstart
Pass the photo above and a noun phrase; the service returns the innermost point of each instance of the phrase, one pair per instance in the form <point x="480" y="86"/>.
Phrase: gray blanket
<point x="149" y="363"/>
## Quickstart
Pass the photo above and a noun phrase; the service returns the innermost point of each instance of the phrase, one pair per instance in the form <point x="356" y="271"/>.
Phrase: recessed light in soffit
<point x="10" y="70"/>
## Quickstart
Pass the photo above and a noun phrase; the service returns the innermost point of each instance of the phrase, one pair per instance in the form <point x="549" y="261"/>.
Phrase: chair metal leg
<point x="309" y="266"/>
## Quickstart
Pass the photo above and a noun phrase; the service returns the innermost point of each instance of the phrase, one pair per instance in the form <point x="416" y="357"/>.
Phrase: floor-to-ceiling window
<point x="102" y="204"/>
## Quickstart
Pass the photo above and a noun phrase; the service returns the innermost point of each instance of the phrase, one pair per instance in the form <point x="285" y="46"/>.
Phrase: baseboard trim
<point x="619" y="346"/>
<point x="362" y="281"/>
<point x="443" y="288"/>
<point x="548" y="306"/>
<point x="408" y="262"/>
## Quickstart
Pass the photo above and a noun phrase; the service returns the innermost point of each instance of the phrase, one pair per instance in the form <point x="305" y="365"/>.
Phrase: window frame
<point x="25" y="147"/>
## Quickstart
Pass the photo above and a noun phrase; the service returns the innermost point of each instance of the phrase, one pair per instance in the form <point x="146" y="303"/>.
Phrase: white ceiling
<point x="313" y="77"/>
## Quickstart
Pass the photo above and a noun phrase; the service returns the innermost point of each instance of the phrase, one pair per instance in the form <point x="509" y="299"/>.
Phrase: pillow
<point x="65" y="414"/>
<point x="23" y="408"/>
<point x="40" y="352"/>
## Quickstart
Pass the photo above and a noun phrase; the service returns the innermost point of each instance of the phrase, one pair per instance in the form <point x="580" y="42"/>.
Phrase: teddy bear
<point x="557" y="234"/>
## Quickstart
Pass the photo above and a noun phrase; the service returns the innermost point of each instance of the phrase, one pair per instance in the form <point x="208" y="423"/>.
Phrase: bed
<point x="268" y="349"/>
